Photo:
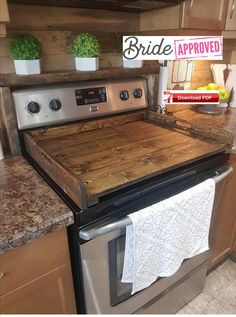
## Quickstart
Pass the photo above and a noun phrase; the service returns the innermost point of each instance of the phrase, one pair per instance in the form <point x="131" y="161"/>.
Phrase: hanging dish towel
<point x="163" y="235"/>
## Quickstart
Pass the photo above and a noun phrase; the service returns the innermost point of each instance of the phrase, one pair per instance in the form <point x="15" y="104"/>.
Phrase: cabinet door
<point x="50" y="294"/>
<point x="202" y="14"/>
<point x="231" y="16"/>
<point x="223" y="219"/>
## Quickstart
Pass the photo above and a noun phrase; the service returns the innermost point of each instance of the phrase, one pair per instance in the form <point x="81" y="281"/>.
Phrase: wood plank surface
<point x="61" y="77"/>
<point x="118" y="155"/>
<point x="56" y="26"/>
<point x="143" y="166"/>
<point x="61" y="18"/>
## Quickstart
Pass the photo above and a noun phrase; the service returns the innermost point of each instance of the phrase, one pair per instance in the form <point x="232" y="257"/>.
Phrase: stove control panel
<point x="90" y="96"/>
<point x="58" y="104"/>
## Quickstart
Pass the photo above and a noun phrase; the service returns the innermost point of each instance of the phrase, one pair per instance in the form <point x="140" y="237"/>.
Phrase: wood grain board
<point x="67" y="76"/>
<point x="114" y="155"/>
<point x="56" y="26"/>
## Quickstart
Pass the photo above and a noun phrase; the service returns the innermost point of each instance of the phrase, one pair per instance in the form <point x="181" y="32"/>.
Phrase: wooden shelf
<point x="61" y="77"/>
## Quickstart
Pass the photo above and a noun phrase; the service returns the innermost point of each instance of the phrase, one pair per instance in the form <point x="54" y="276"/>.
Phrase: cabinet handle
<point x="190" y="7"/>
<point x="1" y="275"/>
<point x="232" y="10"/>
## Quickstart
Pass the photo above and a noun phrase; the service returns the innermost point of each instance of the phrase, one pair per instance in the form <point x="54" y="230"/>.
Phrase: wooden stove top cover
<point x="106" y="155"/>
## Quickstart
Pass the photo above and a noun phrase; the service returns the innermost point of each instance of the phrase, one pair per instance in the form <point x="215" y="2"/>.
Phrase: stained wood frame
<point x="8" y="126"/>
<point x="83" y="184"/>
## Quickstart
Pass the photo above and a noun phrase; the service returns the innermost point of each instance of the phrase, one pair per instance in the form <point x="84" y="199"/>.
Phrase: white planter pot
<point x="86" y="64"/>
<point x="27" y="67"/>
<point x="132" y="63"/>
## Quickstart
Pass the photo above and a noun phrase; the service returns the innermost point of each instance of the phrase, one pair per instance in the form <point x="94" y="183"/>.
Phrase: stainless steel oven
<point x="62" y="140"/>
<point x="102" y="254"/>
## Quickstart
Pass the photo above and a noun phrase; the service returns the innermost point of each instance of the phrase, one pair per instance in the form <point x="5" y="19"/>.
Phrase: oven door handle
<point x="92" y="231"/>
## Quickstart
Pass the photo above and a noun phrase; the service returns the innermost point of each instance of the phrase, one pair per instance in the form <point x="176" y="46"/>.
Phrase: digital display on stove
<point x="89" y="96"/>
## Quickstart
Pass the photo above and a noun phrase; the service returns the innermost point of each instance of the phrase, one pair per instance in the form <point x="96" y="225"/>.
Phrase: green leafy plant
<point x="86" y="45"/>
<point x="25" y="47"/>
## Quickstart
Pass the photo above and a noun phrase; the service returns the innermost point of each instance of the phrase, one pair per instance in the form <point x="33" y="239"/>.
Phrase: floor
<point x="219" y="294"/>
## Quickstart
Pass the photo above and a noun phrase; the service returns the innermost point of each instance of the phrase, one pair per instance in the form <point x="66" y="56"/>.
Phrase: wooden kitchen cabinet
<point x="222" y="234"/>
<point x="231" y="16"/>
<point x="202" y="14"/>
<point x="190" y="14"/>
<point x="51" y="293"/>
<point x="37" y="277"/>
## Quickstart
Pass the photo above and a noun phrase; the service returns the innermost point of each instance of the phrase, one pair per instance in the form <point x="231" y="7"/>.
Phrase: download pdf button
<point x="191" y="97"/>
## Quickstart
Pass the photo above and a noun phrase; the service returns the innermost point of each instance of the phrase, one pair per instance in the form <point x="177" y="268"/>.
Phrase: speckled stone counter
<point x="29" y="208"/>
<point x="226" y="120"/>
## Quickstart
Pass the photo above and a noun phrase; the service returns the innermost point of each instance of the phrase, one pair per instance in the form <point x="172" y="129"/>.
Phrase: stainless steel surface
<point x="96" y="272"/>
<point x="176" y="298"/>
<point x="69" y="110"/>
<point x="95" y="266"/>
<point x="93" y="232"/>
<point x="101" y="228"/>
<point x="221" y="176"/>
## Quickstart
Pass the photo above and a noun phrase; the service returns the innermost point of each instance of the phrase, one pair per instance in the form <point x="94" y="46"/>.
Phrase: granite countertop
<point x="29" y="208"/>
<point x="226" y="120"/>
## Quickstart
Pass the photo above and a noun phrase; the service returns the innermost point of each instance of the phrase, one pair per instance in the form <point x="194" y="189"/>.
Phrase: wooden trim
<point x="61" y="77"/>
<point x="152" y="84"/>
<point x="229" y="34"/>
<point x="9" y="124"/>
<point x="3" y="139"/>
<point x="218" y="260"/>
<point x="222" y="137"/>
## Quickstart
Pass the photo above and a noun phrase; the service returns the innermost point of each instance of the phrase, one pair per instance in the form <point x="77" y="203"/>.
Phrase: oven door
<point x="102" y="264"/>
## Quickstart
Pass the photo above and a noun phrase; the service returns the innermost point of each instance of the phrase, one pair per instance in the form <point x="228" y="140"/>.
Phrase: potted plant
<point x="130" y="63"/>
<point x="86" y="49"/>
<point x="26" y="51"/>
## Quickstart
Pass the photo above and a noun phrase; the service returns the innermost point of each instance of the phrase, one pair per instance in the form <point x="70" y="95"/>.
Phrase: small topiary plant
<point x="86" y="45"/>
<point x="25" y="47"/>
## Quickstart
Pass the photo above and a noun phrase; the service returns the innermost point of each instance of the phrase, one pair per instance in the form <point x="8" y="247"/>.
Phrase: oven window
<point x="119" y="291"/>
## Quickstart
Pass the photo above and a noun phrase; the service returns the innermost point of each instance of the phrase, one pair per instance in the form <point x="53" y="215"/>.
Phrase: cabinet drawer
<point x="32" y="260"/>
<point x="50" y="294"/>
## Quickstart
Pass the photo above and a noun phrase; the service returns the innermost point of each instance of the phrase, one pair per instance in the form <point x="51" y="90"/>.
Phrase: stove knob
<point x="55" y="104"/>
<point x="138" y="93"/>
<point x="124" y="95"/>
<point x="33" y="107"/>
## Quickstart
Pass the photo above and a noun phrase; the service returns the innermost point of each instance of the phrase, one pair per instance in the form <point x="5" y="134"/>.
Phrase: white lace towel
<point x="163" y="235"/>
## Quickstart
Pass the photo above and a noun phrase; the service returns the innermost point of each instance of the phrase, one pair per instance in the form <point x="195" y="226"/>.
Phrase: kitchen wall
<point x="56" y="26"/>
